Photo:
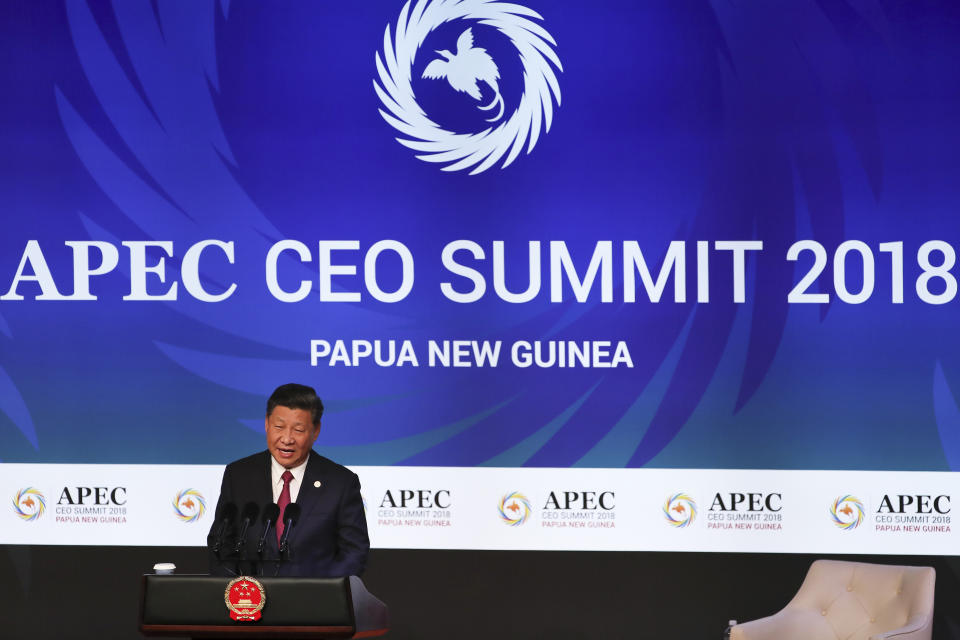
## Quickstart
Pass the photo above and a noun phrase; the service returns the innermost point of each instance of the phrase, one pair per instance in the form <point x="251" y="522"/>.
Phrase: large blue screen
<point x="549" y="234"/>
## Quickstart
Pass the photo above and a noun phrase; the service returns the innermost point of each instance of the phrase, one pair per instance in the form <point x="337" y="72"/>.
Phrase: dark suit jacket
<point x="330" y="540"/>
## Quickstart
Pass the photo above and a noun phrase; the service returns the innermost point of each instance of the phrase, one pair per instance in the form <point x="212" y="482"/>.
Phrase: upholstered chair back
<point x="852" y="601"/>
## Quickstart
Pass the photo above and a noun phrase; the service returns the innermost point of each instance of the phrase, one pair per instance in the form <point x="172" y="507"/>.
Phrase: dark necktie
<point x="283" y="501"/>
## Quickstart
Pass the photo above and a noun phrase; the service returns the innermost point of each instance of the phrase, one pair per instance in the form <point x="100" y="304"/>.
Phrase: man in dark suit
<point x="330" y="538"/>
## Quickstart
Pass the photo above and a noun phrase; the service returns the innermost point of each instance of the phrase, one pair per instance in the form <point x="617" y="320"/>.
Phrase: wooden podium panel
<point x="193" y="605"/>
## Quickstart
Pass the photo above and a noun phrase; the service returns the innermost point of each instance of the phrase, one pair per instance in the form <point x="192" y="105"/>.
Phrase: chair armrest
<point x="917" y="628"/>
<point x="784" y="625"/>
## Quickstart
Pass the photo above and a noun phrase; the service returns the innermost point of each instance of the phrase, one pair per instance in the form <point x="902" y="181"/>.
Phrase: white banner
<point x="847" y="512"/>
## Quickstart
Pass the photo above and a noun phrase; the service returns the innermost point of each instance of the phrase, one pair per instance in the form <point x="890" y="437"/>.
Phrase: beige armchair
<point x="852" y="601"/>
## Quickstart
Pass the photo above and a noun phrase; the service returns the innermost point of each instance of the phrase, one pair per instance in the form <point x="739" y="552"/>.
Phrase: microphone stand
<point x="271" y="513"/>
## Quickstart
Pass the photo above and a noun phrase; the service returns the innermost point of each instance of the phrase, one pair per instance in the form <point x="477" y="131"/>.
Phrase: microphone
<point x="290" y="516"/>
<point x="250" y="512"/>
<point x="270" y="514"/>
<point x="228" y="513"/>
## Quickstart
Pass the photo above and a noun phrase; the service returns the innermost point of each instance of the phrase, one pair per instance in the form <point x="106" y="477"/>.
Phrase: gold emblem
<point x="245" y="597"/>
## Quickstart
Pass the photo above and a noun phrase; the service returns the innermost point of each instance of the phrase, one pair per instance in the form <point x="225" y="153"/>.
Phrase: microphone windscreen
<point x="270" y="513"/>
<point x="291" y="513"/>
<point x="251" y="511"/>
<point x="228" y="512"/>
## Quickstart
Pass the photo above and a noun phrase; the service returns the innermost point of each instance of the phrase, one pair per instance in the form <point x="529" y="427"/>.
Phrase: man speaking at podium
<point x="289" y="486"/>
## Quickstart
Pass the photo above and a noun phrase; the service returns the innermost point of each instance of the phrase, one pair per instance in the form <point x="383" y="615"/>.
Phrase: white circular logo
<point x="469" y="69"/>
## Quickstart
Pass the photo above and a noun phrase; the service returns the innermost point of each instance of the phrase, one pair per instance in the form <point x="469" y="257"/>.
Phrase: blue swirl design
<point x="769" y="158"/>
<point x="12" y="403"/>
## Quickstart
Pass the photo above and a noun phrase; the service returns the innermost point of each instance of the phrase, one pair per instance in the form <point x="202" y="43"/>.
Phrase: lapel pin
<point x="316" y="483"/>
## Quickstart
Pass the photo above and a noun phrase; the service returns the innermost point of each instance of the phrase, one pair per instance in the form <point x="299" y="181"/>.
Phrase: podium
<point x="194" y="605"/>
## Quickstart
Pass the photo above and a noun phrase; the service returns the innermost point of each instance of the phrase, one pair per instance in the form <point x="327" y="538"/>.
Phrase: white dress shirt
<point x="276" y="473"/>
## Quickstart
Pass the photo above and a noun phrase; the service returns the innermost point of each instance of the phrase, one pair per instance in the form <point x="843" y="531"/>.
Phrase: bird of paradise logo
<point x="514" y="509"/>
<point x="29" y="504"/>
<point x="464" y="70"/>
<point x="189" y="505"/>
<point x="847" y="512"/>
<point x="680" y="510"/>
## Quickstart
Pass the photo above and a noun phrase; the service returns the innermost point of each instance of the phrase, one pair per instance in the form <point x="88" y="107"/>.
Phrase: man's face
<point x="290" y="435"/>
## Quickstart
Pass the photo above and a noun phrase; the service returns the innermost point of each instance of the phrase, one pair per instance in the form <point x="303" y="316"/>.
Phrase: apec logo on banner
<point x="680" y="510"/>
<point x="847" y="512"/>
<point x="913" y="514"/>
<point x="754" y="511"/>
<point x="415" y="508"/>
<point x="92" y="505"/>
<point x="896" y="513"/>
<point x="76" y="505"/>
<point x="579" y="510"/>
<point x="29" y="504"/>
<point x="477" y="125"/>
<point x="514" y="509"/>
<point x="189" y="505"/>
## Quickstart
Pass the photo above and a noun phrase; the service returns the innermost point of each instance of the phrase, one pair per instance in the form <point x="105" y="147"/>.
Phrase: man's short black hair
<point x="296" y="396"/>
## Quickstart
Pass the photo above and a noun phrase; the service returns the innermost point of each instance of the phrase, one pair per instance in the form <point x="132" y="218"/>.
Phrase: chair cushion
<point x="848" y="601"/>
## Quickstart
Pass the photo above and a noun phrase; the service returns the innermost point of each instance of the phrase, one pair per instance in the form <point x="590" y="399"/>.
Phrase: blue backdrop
<point x="689" y="121"/>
